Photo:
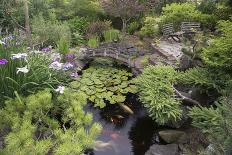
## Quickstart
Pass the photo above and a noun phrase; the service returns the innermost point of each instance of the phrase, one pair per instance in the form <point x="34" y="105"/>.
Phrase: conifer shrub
<point x="155" y="86"/>
<point x="47" y="122"/>
<point x="216" y="123"/>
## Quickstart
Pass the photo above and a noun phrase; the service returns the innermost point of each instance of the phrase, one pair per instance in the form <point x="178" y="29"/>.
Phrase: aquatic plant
<point x="102" y="84"/>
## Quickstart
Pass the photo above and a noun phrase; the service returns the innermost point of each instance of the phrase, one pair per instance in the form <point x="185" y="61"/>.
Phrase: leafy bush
<point x="218" y="54"/>
<point x="132" y="27"/>
<point x="176" y="13"/>
<point x="97" y="28"/>
<point x="63" y="46"/>
<point x="78" y="26"/>
<point x="37" y="75"/>
<point x="206" y="78"/>
<point x="151" y="26"/>
<point x="48" y="123"/>
<point x="50" y="31"/>
<point x="155" y="87"/>
<point x="102" y="84"/>
<point x="111" y="35"/>
<point x="216" y="123"/>
<point x="93" y="42"/>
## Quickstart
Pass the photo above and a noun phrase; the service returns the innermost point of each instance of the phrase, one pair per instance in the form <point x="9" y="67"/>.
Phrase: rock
<point x="173" y="136"/>
<point x="170" y="149"/>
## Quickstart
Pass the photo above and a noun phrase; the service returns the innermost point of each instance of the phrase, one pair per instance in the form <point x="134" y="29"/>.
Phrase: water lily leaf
<point x="75" y="85"/>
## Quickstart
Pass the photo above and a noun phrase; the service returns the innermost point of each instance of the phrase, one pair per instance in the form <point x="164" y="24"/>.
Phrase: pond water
<point x="124" y="134"/>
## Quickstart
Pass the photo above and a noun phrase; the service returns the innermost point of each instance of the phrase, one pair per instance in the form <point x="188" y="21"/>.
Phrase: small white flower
<point x="56" y="65"/>
<point x="23" y="70"/>
<point x="56" y="56"/>
<point x="19" y="56"/>
<point x="50" y="46"/>
<point x="36" y="52"/>
<point x="60" y="89"/>
<point x="2" y="43"/>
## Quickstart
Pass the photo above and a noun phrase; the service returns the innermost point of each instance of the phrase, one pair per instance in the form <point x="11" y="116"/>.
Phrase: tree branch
<point x="185" y="98"/>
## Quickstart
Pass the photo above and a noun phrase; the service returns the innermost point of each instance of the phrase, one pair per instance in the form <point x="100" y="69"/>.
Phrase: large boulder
<point x="173" y="136"/>
<point x="170" y="149"/>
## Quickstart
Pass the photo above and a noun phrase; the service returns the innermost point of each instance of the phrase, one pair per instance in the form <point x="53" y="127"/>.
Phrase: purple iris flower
<point x="47" y="50"/>
<point x="74" y="75"/>
<point x="3" y="61"/>
<point x="69" y="57"/>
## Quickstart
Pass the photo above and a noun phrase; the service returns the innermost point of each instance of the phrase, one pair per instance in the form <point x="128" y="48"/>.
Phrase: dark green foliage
<point x="206" y="78"/>
<point x="47" y="122"/>
<point x="216" y="123"/>
<point x="132" y="27"/>
<point x="156" y="92"/>
<point x="102" y="84"/>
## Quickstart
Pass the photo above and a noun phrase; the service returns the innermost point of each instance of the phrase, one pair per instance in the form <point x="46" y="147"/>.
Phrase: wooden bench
<point x="168" y="31"/>
<point x="190" y="27"/>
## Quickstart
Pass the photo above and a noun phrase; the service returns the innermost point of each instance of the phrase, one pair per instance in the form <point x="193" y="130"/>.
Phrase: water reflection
<point x="123" y="134"/>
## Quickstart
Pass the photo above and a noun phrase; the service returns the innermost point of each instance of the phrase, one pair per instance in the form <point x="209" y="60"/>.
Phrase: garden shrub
<point x="63" y="46"/>
<point x="104" y="83"/>
<point x="151" y="26"/>
<point x="111" y="35"/>
<point x="78" y="26"/>
<point x="216" y="123"/>
<point x="47" y="122"/>
<point x="132" y="27"/>
<point x="93" y="42"/>
<point x="185" y="12"/>
<point x="206" y="78"/>
<point x="50" y="31"/>
<point x="97" y="28"/>
<point x="155" y="86"/>
<point x="218" y="53"/>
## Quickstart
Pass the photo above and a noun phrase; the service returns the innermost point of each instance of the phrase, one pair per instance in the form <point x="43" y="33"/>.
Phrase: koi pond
<point x="127" y="131"/>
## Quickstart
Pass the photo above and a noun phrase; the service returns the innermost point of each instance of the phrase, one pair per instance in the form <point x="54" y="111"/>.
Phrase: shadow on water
<point x="124" y="134"/>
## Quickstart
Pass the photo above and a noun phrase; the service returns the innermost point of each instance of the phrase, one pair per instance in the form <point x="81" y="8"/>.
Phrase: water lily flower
<point x="74" y="75"/>
<point x="60" y="89"/>
<point x="56" y="65"/>
<point x="67" y="66"/>
<point x="23" y="70"/>
<point x="3" y="61"/>
<point x="2" y="43"/>
<point x="19" y="56"/>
